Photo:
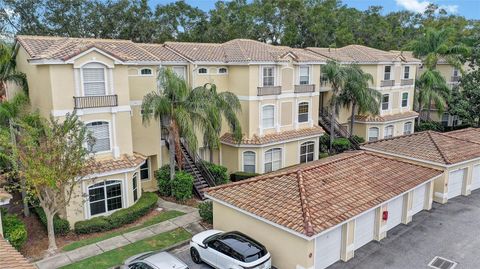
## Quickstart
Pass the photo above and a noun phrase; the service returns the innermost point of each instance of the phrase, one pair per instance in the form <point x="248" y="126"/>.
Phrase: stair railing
<point x="197" y="192"/>
<point x="327" y="117"/>
<point x="200" y="164"/>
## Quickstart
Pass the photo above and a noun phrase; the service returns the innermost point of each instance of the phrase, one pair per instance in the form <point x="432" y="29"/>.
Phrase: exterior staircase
<point x="324" y="120"/>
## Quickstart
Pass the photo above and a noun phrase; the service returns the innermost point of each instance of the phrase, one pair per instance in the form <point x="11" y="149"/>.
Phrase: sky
<point x="467" y="8"/>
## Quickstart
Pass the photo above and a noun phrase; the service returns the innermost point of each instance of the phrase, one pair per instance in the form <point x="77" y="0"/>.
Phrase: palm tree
<point x="8" y="72"/>
<point x="433" y="88"/>
<point x="183" y="111"/>
<point x="357" y="95"/>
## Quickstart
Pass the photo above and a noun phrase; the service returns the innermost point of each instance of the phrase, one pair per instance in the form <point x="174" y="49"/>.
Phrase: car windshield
<point x="245" y="248"/>
<point x="210" y="238"/>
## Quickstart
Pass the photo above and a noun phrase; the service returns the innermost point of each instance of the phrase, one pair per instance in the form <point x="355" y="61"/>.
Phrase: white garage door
<point x="364" y="228"/>
<point x="476" y="177"/>
<point x="394" y="212"/>
<point x="327" y="248"/>
<point x="455" y="182"/>
<point x="418" y="199"/>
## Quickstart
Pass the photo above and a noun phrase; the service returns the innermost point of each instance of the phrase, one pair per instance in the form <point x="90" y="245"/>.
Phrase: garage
<point x="476" y="177"/>
<point x="328" y="248"/>
<point x="455" y="183"/>
<point x="394" y="208"/>
<point x="418" y="202"/>
<point x="364" y="229"/>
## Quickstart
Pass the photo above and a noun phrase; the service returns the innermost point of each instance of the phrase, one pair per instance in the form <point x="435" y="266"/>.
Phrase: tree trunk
<point x="26" y="210"/>
<point x="171" y="153"/>
<point x="352" y="118"/>
<point x="429" y="107"/>
<point x="332" y="127"/>
<point x="52" y="244"/>
<point x="210" y="152"/>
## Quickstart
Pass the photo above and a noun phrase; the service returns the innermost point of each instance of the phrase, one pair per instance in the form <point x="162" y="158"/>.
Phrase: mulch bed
<point x="193" y="202"/>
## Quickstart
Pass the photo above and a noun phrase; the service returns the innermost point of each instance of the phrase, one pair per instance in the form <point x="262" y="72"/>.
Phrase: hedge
<point x="145" y="204"/>
<point x="205" y="209"/>
<point x="60" y="226"/>
<point x="14" y="230"/>
<point x="182" y="186"/>
<point x="218" y="172"/>
<point x="163" y="180"/>
<point x="237" y="176"/>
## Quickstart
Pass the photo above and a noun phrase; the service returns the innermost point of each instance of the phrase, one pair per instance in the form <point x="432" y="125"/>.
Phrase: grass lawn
<point x="118" y="256"/>
<point x="154" y="220"/>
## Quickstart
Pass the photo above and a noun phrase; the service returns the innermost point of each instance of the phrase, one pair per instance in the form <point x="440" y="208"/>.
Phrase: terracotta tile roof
<point x="386" y="118"/>
<point x="430" y="146"/>
<point x="359" y="53"/>
<point x="275" y="137"/>
<point x="317" y="197"/>
<point x="470" y="134"/>
<point x="162" y="53"/>
<point x="10" y="258"/>
<point x="124" y="162"/>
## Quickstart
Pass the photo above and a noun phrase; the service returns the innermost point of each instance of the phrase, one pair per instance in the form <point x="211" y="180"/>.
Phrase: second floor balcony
<point x="304" y="88"/>
<point x="269" y="90"/>
<point x="406" y="82"/>
<point x="95" y="101"/>
<point x="387" y="83"/>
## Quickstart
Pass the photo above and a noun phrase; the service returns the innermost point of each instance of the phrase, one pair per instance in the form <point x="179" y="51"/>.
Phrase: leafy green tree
<point x="8" y="74"/>
<point x="433" y="90"/>
<point x="465" y="101"/>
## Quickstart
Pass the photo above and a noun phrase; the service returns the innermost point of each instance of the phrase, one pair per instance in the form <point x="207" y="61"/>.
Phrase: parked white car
<point x="229" y="250"/>
<point x="154" y="260"/>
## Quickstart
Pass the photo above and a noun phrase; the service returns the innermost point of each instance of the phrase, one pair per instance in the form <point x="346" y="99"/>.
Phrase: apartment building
<point x="393" y="76"/>
<point x="104" y="81"/>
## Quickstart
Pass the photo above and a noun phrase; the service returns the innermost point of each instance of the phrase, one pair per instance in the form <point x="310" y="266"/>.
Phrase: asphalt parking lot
<point x="451" y="231"/>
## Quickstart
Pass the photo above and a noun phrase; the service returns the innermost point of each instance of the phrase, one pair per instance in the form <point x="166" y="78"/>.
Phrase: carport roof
<point x="439" y="148"/>
<point x="314" y="197"/>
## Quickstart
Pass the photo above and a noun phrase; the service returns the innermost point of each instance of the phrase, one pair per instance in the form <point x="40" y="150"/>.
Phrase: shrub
<point x="205" y="209"/>
<point x="163" y="180"/>
<point x="323" y="155"/>
<point x="324" y="143"/>
<point x="182" y="186"/>
<point x="218" y="172"/>
<point x="60" y="226"/>
<point x="359" y="139"/>
<point x="341" y="144"/>
<point x="118" y="218"/>
<point x="237" y="176"/>
<point x="14" y="230"/>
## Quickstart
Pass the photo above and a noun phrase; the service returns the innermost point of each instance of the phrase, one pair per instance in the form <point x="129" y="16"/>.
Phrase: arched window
<point x="146" y="72"/>
<point x="388" y="132"/>
<point x="135" y="186"/>
<point x="93" y="79"/>
<point x="101" y="133"/>
<point x="249" y="162"/>
<point x="373" y="134"/>
<point x="105" y="196"/>
<point x="303" y="112"/>
<point x="202" y="70"/>
<point x="268" y="116"/>
<point x="307" y="151"/>
<point x="407" y="128"/>
<point x="222" y="70"/>
<point x="273" y="159"/>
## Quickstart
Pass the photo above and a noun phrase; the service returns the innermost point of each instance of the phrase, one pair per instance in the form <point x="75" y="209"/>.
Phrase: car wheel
<point x="195" y="256"/>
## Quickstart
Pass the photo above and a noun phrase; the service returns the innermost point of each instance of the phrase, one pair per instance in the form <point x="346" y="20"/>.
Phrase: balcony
<point x="269" y="90"/>
<point x="304" y="88"/>
<point x="405" y="82"/>
<point x="455" y="78"/>
<point x="95" y="101"/>
<point x="387" y="83"/>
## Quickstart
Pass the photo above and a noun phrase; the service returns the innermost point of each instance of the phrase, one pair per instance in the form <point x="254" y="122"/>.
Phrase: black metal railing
<point x="95" y="101"/>
<point x="304" y="88"/>
<point x="326" y="122"/>
<point x="200" y="164"/>
<point x="269" y="90"/>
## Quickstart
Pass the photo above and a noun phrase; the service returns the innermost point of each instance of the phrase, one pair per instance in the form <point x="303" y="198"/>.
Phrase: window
<point x="385" y="101"/>
<point x="307" y="151"/>
<point x="268" y="76"/>
<point x="456" y="72"/>
<point x="93" y="79"/>
<point x="203" y="70"/>
<point x="222" y="70"/>
<point x="273" y="159"/>
<point x="179" y="71"/>
<point x="445" y="119"/>
<point x="101" y="133"/>
<point x="146" y="72"/>
<point x="373" y="134"/>
<point x="249" y="162"/>
<point x="406" y="72"/>
<point x="304" y="75"/>
<point x="268" y="116"/>
<point x="387" y="73"/>
<point x="144" y="171"/>
<point x="407" y="128"/>
<point x="405" y="99"/>
<point x="388" y="132"/>
<point x="303" y="112"/>
<point x="135" y="187"/>
<point x="105" y="196"/>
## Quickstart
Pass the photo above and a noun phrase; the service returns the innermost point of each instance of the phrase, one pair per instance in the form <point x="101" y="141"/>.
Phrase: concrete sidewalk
<point x="189" y="222"/>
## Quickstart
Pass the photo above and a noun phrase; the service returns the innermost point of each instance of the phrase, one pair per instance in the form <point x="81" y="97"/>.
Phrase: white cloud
<point x="413" y="5"/>
<point x="450" y="8"/>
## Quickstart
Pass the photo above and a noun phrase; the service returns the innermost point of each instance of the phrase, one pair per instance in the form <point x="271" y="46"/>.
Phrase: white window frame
<point x="306" y="144"/>
<point x="300" y="74"/>
<point x="388" y="127"/>
<point x="274" y="74"/>
<point x="147" y="161"/>
<point x="411" y="128"/>
<point x="263" y="114"/>
<point x="184" y="71"/>
<point x="107" y="212"/>
<point x="222" y="67"/>
<point x="109" y="135"/>
<point x="146" y="75"/>
<point x="368" y="133"/>
<point x="390" y="73"/>
<point x="94" y="65"/>
<point x="280" y="161"/>
<point x="409" y="72"/>
<point x="401" y="99"/>
<point x="203" y="74"/>
<point x="254" y="160"/>
<point x="388" y="104"/>
<point x="135" y="183"/>
<point x="298" y="112"/>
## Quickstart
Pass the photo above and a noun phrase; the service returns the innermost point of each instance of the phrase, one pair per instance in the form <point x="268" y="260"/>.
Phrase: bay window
<point x="105" y="196"/>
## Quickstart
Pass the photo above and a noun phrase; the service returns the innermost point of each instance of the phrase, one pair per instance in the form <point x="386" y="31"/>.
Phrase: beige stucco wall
<point x="361" y="129"/>
<point x="287" y="250"/>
